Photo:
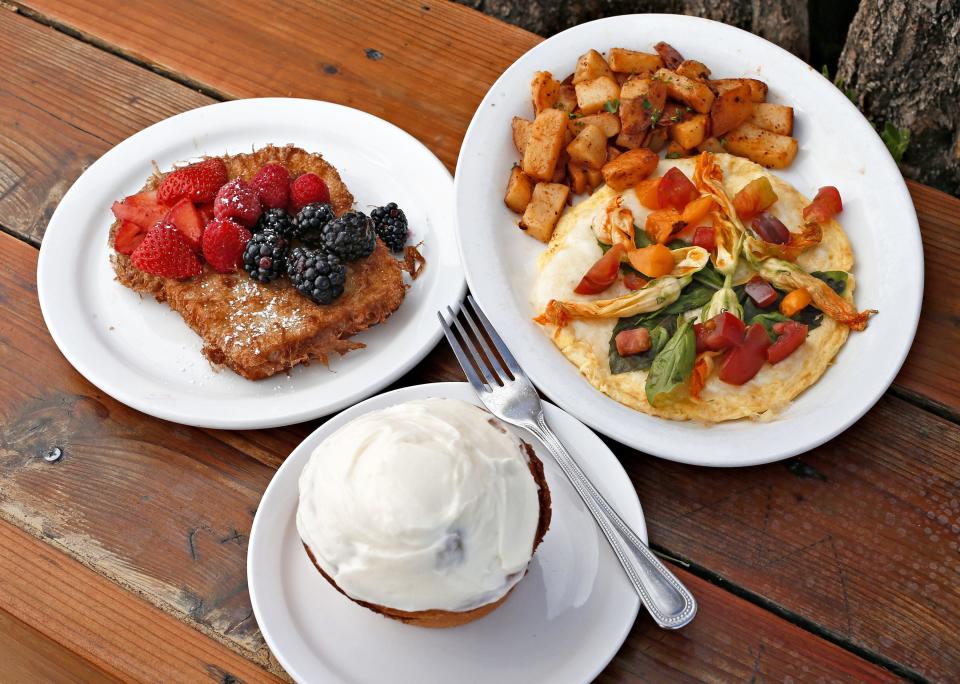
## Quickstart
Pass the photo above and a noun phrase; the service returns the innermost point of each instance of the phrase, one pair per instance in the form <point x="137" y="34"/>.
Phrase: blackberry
<point x="265" y="256"/>
<point x="277" y="220"/>
<point x="310" y="222"/>
<point x="350" y="236"/>
<point x="317" y="274"/>
<point x="391" y="225"/>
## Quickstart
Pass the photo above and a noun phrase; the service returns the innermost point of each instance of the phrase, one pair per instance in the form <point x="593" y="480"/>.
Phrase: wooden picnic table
<point x="125" y="559"/>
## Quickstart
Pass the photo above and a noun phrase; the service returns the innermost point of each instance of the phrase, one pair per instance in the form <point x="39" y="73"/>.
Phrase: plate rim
<point x="438" y="389"/>
<point x="554" y="388"/>
<point x="168" y="410"/>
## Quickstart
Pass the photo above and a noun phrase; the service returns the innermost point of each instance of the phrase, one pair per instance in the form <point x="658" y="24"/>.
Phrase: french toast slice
<point x="259" y="329"/>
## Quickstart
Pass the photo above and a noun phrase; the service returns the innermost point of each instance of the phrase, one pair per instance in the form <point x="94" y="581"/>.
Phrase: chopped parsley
<point x="571" y="115"/>
<point x="646" y="103"/>
<point x="655" y="117"/>
<point x="674" y="155"/>
<point x="612" y="105"/>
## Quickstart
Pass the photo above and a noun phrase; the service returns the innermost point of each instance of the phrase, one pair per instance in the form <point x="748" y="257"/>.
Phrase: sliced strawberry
<point x="198" y="182"/>
<point x="185" y="218"/>
<point x="223" y="245"/>
<point x="165" y="253"/>
<point x="206" y="212"/>
<point x="128" y="237"/>
<point x="144" y="215"/>
<point x="147" y="198"/>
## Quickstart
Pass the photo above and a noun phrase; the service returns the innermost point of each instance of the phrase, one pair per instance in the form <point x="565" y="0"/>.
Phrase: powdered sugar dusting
<point x="254" y="313"/>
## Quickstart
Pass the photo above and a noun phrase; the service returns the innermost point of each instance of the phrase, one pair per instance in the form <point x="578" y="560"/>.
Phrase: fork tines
<point x="484" y="368"/>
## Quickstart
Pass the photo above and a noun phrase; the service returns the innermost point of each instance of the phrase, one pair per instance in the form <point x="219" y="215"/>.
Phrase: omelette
<point x="679" y="371"/>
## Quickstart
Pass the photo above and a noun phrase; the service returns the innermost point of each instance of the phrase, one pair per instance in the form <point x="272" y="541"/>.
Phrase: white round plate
<point x="837" y="147"/>
<point x="141" y="352"/>
<point x="563" y="623"/>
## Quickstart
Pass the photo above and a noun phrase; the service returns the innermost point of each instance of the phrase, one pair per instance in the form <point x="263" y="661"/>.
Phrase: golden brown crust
<point x="257" y="329"/>
<point x="447" y="618"/>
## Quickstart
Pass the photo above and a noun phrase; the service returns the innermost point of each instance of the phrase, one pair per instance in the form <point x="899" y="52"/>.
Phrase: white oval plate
<point x="837" y="147"/>
<point x="563" y="623"/>
<point x="142" y="354"/>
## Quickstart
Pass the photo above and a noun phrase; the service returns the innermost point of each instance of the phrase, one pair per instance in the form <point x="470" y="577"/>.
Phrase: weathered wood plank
<point x="112" y="630"/>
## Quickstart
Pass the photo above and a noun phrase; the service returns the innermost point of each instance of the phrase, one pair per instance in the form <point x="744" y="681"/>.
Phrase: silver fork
<point x="510" y="396"/>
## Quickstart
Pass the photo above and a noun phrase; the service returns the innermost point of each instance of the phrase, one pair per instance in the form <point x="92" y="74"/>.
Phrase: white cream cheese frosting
<point x="429" y="504"/>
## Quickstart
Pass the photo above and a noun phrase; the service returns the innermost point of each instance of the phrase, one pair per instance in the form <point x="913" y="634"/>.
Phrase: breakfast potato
<point x="560" y="170"/>
<point x="576" y="178"/>
<point x="542" y="213"/>
<point x="695" y="94"/>
<point x="674" y="151"/>
<point x="656" y="139"/>
<point x="642" y="101"/>
<point x="544" y="144"/>
<point x="632" y="62"/>
<point x="768" y="149"/>
<point x="772" y="117"/>
<point x="607" y="122"/>
<point x="730" y="109"/>
<point x="689" y="134"/>
<point x="758" y="89"/>
<point x="519" y="191"/>
<point x="691" y="68"/>
<point x="674" y="113"/>
<point x="630" y="141"/>
<point x="594" y="179"/>
<point x="613" y="152"/>
<point x="589" y="148"/>
<point x="711" y="145"/>
<point x="590" y="66"/>
<point x="566" y="98"/>
<point x="521" y="131"/>
<point x="545" y="90"/>
<point x="594" y="94"/>
<point x="630" y="168"/>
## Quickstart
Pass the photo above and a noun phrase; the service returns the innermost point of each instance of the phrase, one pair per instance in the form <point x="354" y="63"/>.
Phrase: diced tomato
<point x="647" y="193"/>
<point x="634" y="281"/>
<point x="632" y="341"/>
<point x="700" y="331"/>
<point x="745" y="361"/>
<point x="760" y="292"/>
<point x="791" y="336"/>
<point x="676" y="190"/>
<point x="754" y="197"/>
<point x="698" y="378"/>
<point x="706" y="237"/>
<point x="721" y="332"/>
<point x="824" y="206"/>
<point x="603" y="273"/>
<point x="770" y="229"/>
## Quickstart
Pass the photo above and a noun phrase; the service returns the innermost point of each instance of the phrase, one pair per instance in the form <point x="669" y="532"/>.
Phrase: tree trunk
<point x="784" y="22"/>
<point x="902" y="62"/>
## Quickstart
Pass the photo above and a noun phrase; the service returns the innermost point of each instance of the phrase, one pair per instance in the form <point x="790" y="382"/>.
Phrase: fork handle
<point x="669" y="602"/>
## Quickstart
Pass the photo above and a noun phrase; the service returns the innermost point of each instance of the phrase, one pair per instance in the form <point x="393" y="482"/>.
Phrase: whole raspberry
<point x="307" y="189"/>
<point x="238" y="201"/>
<point x="272" y="185"/>
<point x="223" y="245"/>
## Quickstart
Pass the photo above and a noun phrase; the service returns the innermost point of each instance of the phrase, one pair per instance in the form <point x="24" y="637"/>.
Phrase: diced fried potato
<point x="608" y="123"/>
<point x="758" y="89"/>
<point x="674" y="113"/>
<point x="630" y="141"/>
<point x="566" y="98"/>
<point x="545" y="89"/>
<point x="521" y="131"/>
<point x="560" y="170"/>
<point x="630" y="168"/>
<point x="577" y="178"/>
<point x="594" y="179"/>
<point x="768" y="149"/>
<point x="730" y="109"/>
<point x="695" y="94"/>
<point x="589" y="148"/>
<point x="674" y="151"/>
<point x="689" y="134"/>
<point x="773" y="117"/>
<point x="590" y="66"/>
<point x="691" y="68"/>
<point x="519" y="191"/>
<point x="656" y="139"/>
<point x="643" y="107"/>
<point x="632" y="62"/>
<point x="544" y="144"/>
<point x="711" y="145"/>
<point x="542" y="213"/>
<point x="593" y="95"/>
<point x="613" y="152"/>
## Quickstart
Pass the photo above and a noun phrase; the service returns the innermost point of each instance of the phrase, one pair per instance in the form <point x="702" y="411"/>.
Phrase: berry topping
<point x="350" y="236"/>
<point x="310" y="222"/>
<point x="142" y="209"/>
<point x="128" y="237"/>
<point x="272" y="185"/>
<point x="198" y="182"/>
<point x="391" y="225"/>
<point x="307" y="189"/>
<point x="317" y="274"/>
<point x="185" y="218"/>
<point x="164" y="253"/>
<point x="238" y="201"/>
<point x="206" y="212"/>
<point x="277" y="220"/>
<point x="265" y="256"/>
<point x="223" y="244"/>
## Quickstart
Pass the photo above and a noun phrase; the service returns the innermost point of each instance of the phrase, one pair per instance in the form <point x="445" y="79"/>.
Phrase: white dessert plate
<point x="837" y="147"/>
<point x="563" y="623"/>
<point x="141" y="353"/>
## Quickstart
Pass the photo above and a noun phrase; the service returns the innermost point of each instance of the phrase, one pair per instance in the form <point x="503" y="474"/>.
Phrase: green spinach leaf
<point x="660" y="327"/>
<point x="673" y="364"/>
<point x="693" y="296"/>
<point x="767" y="320"/>
<point x="709" y="276"/>
<point x="640" y="237"/>
<point x="837" y="280"/>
